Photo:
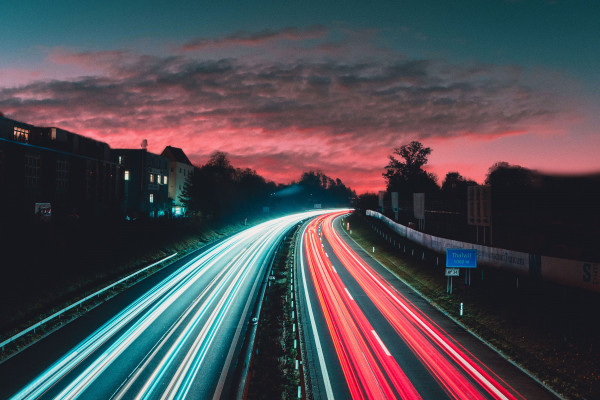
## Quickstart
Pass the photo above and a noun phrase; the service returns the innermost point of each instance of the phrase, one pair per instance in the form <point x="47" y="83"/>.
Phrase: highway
<point x="368" y="336"/>
<point x="172" y="336"/>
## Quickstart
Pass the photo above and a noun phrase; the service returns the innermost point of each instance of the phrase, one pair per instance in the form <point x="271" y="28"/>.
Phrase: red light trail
<point x="368" y="367"/>
<point x="457" y="371"/>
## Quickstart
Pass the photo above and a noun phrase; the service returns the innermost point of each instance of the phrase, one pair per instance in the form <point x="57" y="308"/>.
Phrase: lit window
<point x="126" y="175"/>
<point x="151" y="178"/>
<point x="120" y="160"/>
<point x="21" y="134"/>
<point x="151" y="198"/>
<point x="164" y="180"/>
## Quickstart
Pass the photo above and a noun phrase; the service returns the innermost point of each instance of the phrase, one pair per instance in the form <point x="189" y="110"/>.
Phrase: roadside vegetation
<point x="47" y="266"/>
<point x="532" y="212"/>
<point x="73" y="260"/>
<point x="550" y="330"/>
<point x="274" y="361"/>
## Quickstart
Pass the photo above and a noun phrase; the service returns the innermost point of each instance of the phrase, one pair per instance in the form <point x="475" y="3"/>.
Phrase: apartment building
<point x="180" y="169"/>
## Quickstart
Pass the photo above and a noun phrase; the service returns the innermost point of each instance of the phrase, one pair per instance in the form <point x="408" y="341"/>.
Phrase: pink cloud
<point x="257" y="38"/>
<point x="11" y="77"/>
<point x="88" y="59"/>
<point x="283" y="118"/>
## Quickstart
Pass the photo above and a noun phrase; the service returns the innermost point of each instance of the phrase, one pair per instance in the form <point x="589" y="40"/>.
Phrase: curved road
<point x="367" y="335"/>
<point x="175" y="335"/>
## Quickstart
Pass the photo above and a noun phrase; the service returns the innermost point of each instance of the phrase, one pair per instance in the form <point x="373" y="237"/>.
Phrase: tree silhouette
<point x="319" y="188"/>
<point x="514" y="194"/>
<point x="407" y="174"/>
<point x="454" y="191"/>
<point x="367" y="201"/>
<point x="211" y="188"/>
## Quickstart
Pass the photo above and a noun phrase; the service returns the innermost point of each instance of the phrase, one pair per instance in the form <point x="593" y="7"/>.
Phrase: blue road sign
<point x="461" y="258"/>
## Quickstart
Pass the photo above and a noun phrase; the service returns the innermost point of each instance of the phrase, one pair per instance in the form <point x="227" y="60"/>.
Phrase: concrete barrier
<point x="580" y="274"/>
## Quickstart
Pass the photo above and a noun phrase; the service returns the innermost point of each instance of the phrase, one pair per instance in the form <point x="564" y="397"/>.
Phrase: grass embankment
<point x="273" y="373"/>
<point x="59" y="264"/>
<point x="550" y="330"/>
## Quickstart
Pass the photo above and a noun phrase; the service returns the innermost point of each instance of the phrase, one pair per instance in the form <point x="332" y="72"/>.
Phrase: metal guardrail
<point x="58" y="313"/>
<point x="578" y="274"/>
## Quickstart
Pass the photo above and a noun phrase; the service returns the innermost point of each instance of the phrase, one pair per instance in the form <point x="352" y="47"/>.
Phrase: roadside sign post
<point x="451" y="272"/>
<point x="456" y="259"/>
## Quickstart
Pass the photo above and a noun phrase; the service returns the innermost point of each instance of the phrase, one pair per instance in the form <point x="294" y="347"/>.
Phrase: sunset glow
<point x="302" y="93"/>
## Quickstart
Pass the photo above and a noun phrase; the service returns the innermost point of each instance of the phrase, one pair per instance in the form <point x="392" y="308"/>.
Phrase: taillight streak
<point x="369" y="370"/>
<point x="415" y="328"/>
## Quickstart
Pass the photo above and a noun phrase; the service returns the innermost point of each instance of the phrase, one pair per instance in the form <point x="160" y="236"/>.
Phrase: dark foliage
<point x="367" y="201"/>
<point x="454" y="192"/>
<point x="217" y="190"/>
<point x="407" y="174"/>
<point x="318" y="188"/>
<point x="556" y="214"/>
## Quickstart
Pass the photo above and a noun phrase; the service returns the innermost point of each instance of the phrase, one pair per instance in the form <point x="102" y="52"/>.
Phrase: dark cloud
<point x="334" y="108"/>
<point x="331" y="98"/>
<point x="257" y="38"/>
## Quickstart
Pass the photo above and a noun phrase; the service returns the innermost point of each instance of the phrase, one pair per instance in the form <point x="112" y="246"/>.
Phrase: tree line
<point x="531" y="211"/>
<point x="218" y="190"/>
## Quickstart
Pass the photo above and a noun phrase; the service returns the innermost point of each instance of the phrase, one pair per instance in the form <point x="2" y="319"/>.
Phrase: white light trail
<point x="249" y="248"/>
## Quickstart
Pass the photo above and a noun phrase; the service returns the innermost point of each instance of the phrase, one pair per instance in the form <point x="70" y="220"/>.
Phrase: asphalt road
<point x="174" y="335"/>
<point x="368" y="335"/>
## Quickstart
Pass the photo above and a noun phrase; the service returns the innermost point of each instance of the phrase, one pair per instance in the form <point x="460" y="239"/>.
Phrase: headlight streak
<point x="152" y="304"/>
<point x="62" y="367"/>
<point x="122" y="391"/>
<point x="77" y="386"/>
<point x="418" y="331"/>
<point x="100" y="364"/>
<point x="202" y="342"/>
<point x="210" y="293"/>
<point x="266" y="243"/>
<point x="369" y="370"/>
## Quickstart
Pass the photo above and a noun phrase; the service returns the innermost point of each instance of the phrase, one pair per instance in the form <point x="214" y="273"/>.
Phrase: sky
<point x="286" y="87"/>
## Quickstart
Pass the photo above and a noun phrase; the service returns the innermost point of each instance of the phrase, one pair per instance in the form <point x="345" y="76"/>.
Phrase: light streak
<point x="427" y="340"/>
<point x="387" y="353"/>
<point x="74" y="373"/>
<point x="365" y="362"/>
<point x="324" y="372"/>
<point x="348" y="293"/>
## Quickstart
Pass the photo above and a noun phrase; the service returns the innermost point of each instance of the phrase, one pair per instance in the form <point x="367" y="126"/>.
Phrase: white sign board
<point x="419" y="205"/>
<point x="395" y="201"/>
<point x="452" y="272"/>
<point x="479" y="205"/>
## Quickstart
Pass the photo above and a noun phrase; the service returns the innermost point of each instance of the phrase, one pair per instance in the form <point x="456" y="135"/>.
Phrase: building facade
<point x="55" y="172"/>
<point x="145" y="179"/>
<point x="180" y="169"/>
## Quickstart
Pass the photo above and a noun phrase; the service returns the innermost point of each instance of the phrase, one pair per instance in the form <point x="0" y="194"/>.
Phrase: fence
<point x="580" y="274"/>
<point x="64" y="310"/>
